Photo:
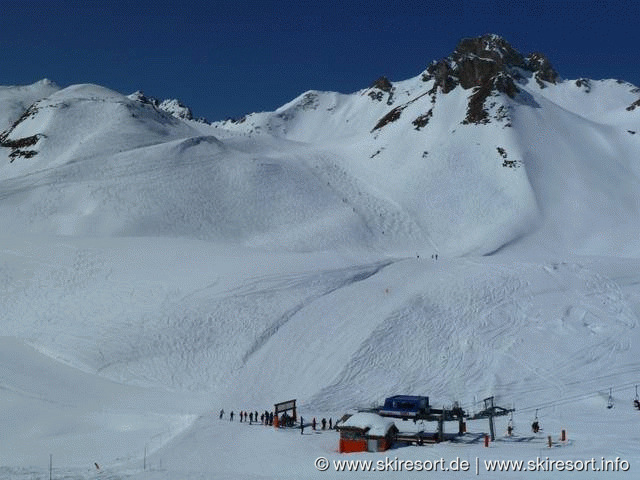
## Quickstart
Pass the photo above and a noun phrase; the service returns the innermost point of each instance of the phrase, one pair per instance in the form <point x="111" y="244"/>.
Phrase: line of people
<point x="266" y="418"/>
<point x="313" y="424"/>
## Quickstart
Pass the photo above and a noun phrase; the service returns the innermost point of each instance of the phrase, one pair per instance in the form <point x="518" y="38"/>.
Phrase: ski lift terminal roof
<point x="372" y="423"/>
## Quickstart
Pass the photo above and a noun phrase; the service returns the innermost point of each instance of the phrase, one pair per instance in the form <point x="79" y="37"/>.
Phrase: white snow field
<point x="154" y="270"/>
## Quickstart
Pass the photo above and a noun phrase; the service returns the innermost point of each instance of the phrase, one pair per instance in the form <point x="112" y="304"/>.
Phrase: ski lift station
<point x="374" y="430"/>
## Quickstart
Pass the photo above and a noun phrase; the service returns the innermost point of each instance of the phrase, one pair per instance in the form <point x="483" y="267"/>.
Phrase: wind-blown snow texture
<point x="155" y="269"/>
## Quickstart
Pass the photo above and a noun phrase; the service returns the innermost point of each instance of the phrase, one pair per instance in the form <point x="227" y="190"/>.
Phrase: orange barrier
<point x="350" y="446"/>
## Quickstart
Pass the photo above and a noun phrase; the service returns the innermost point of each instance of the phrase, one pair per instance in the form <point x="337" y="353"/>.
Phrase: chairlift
<point x="610" y="400"/>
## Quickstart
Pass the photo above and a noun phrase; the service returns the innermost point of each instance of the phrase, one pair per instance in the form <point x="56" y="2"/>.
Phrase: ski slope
<point x="154" y="270"/>
<point x="185" y="328"/>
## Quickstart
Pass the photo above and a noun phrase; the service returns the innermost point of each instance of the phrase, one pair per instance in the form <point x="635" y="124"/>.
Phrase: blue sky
<point x="228" y="58"/>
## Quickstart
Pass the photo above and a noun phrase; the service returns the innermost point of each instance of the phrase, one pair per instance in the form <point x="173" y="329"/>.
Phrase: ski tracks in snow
<point x="386" y="221"/>
<point x="492" y="333"/>
<point x="345" y="277"/>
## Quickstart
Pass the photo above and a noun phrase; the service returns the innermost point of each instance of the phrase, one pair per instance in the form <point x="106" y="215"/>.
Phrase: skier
<point x="313" y="423"/>
<point x="330" y="423"/>
<point x="301" y="426"/>
<point x="221" y="413"/>
<point x="324" y="423"/>
<point x="535" y="426"/>
<point x="231" y="416"/>
<point x="251" y="418"/>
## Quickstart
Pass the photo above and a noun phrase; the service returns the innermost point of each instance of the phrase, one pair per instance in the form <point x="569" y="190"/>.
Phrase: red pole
<point x="486" y="440"/>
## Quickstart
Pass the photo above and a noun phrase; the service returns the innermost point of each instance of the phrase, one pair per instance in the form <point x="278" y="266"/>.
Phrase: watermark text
<point x="478" y="465"/>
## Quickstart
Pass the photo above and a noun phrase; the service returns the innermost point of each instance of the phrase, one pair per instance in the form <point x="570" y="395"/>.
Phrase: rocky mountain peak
<point x="488" y="61"/>
<point x="489" y="65"/>
<point x="171" y="106"/>
<point x="540" y="64"/>
<point x="489" y="47"/>
<point x="383" y="84"/>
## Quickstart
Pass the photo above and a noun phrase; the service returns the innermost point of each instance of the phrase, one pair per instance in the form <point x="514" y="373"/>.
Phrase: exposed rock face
<point x="423" y="120"/>
<point x="383" y="84"/>
<point x="392" y="116"/>
<point x="584" y="83"/>
<point x="480" y="59"/>
<point x="20" y="146"/>
<point x="539" y="63"/>
<point x="381" y="87"/>
<point x="634" y="105"/>
<point x="487" y="64"/>
<point x="173" y="106"/>
<point x="177" y="109"/>
<point x="477" y="61"/>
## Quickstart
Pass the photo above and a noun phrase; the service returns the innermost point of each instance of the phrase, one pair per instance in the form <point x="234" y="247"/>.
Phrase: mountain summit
<point x="489" y="61"/>
<point x="489" y="64"/>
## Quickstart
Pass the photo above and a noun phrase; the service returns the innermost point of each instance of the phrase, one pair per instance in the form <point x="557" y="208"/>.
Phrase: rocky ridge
<point x="486" y="61"/>
<point x="487" y="64"/>
<point x="20" y="147"/>
<point x="172" y="106"/>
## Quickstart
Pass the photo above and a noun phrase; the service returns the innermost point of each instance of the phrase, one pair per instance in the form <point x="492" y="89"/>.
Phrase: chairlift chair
<point x="535" y="425"/>
<point x="510" y="425"/>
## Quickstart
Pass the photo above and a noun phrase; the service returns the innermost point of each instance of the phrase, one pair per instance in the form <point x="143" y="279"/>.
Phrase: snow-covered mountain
<point x="154" y="267"/>
<point x="481" y="148"/>
<point x="474" y="153"/>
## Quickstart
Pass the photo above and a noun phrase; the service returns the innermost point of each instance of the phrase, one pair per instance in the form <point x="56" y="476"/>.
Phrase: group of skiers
<point x="313" y="424"/>
<point x="266" y="418"/>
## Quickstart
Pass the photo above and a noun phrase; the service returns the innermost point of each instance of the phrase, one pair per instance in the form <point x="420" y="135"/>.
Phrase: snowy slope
<point x="82" y="120"/>
<point x="474" y="184"/>
<point x="223" y="328"/>
<point x="15" y="100"/>
<point x="155" y="269"/>
<point x="586" y="183"/>
<point x="395" y="167"/>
